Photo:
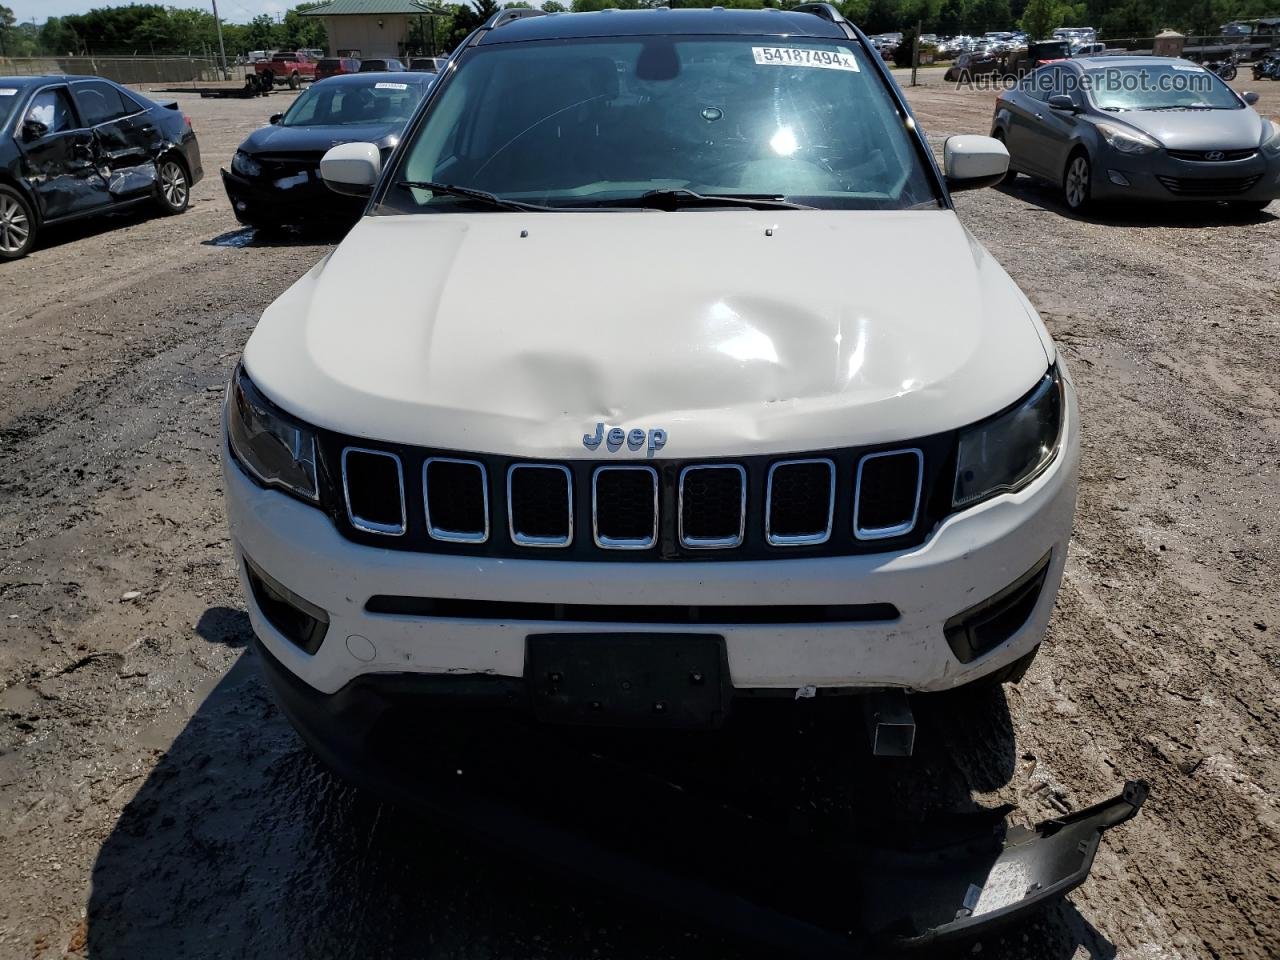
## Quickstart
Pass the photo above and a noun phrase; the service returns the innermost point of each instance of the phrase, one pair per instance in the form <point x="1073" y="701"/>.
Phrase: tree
<point x="1040" y="17"/>
<point x="554" y="6"/>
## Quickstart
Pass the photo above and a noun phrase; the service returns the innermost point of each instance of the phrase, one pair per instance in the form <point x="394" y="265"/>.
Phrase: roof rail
<point x="824" y="10"/>
<point x="507" y="14"/>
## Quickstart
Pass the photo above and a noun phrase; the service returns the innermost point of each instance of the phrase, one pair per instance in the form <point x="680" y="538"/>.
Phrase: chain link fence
<point x="133" y="71"/>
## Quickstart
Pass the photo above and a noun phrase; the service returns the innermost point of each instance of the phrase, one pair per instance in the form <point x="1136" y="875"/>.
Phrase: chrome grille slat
<point x="719" y="542"/>
<point x="800" y="539"/>
<point x="364" y="523"/>
<point x="538" y="540"/>
<point x="896" y="530"/>
<point x="622" y="543"/>
<point x="443" y="533"/>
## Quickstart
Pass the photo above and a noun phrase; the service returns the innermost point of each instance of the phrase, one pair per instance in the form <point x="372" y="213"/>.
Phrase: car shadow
<point x="240" y="842"/>
<point x="1048" y="197"/>
<point x="60" y="234"/>
<point x="281" y="237"/>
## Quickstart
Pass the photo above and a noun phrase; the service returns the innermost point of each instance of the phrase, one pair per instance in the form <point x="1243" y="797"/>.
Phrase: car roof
<point x="1092" y="63"/>
<point x="372" y="76"/>
<point x="662" y="21"/>
<point x="25" y="81"/>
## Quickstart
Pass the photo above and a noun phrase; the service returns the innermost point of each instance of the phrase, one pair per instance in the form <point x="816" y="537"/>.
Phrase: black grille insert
<point x="801" y="501"/>
<point x="1208" y="186"/>
<point x="373" y="484"/>
<point x="540" y="505"/>
<point x="457" y="500"/>
<point x="1218" y="156"/>
<point x="713" y="506"/>
<point x="624" y="507"/>
<point x="887" y="494"/>
<point x="457" y="608"/>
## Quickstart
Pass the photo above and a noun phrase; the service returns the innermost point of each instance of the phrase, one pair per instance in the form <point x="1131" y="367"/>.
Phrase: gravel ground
<point x="153" y="802"/>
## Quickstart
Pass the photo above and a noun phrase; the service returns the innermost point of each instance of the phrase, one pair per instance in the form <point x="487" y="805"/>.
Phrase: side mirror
<point x="351" y="169"/>
<point x="33" y="130"/>
<point x="275" y="118"/>
<point x="972" y="162"/>
<point x="1060" y="101"/>
<point x="1250" y="97"/>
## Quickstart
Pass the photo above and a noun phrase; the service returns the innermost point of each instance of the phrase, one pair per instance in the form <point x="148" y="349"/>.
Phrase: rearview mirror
<point x="351" y="169"/>
<point x="972" y="162"/>
<point x="1250" y="97"/>
<point x="33" y="130"/>
<point x="1060" y="101"/>
<point x="276" y="118"/>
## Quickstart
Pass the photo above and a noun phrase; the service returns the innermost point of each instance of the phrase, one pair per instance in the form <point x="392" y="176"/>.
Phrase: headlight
<point x="245" y="165"/>
<point x="1127" y="140"/>
<point x="1005" y="453"/>
<point x="1270" y="138"/>
<point x="276" y="450"/>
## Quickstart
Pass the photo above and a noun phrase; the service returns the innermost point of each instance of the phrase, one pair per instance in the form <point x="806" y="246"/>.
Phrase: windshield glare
<point x="345" y="104"/>
<point x="586" y="122"/>
<point x="1159" y="86"/>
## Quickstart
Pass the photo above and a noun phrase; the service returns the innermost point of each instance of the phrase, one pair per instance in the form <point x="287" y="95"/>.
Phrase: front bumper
<point x="1193" y="181"/>
<point x="281" y="203"/>
<point x="972" y="556"/>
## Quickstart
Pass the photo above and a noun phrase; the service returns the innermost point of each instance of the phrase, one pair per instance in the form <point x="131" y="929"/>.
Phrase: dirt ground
<point x="154" y="802"/>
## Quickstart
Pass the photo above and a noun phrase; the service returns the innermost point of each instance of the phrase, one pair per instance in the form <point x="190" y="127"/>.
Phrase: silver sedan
<point x="1139" y="128"/>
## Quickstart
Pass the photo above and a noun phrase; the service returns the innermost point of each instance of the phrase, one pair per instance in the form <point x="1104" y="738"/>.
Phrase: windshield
<point x="1160" y="87"/>
<point x="345" y="104"/>
<point x="591" y="122"/>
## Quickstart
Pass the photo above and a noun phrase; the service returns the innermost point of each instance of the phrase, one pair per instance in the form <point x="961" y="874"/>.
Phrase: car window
<point x="52" y="107"/>
<point x="101" y="102"/>
<point x="1043" y="83"/>
<point x="1160" y="86"/>
<point x="383" y="101"/>
<point x="583" y="122"/>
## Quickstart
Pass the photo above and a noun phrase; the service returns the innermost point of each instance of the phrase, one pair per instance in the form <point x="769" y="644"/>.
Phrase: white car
<point x="660" y="370"/>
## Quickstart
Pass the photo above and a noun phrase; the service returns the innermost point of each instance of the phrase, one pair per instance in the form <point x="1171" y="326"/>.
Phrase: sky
<point x="235" y="11"/>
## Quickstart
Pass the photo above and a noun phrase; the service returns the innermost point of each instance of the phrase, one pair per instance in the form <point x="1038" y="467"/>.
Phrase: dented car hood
<point x="735" y="332"/>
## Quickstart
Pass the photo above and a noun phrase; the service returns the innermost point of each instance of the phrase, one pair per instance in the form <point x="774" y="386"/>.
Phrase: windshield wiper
<point x="468" y="193"/>
<point x="671" y="200"/>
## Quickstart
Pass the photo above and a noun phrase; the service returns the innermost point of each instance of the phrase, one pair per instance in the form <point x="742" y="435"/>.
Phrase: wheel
<point x="1012" y="175"/>
<point x="174" y="186"/>
<point x="294" y="81"/>
<point x="17" y="225"/>
<point x="1077" y="182"/>
<point x="1228" y="73"/>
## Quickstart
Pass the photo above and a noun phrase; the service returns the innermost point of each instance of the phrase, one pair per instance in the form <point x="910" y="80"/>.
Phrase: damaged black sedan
<point x="274" y="180"/>
<point x="73" y="147"/>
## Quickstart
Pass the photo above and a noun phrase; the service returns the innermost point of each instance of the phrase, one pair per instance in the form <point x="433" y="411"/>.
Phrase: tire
<point x="17" y="225"/>
<point x="1012" y="175"/>
<point x="1228" y="73"/>
<point x="173" y="188"/>
<point x="294" y="81"/>
<point x="1077" y="182"/>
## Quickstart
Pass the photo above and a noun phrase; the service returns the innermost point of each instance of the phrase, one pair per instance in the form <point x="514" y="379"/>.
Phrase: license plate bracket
<point x="654" y="680"/>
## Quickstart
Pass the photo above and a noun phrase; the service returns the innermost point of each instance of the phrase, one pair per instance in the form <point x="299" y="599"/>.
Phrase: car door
<point x="1057" y="128"/>
<point x="58" y="155"/>
<point x="1034" y="147"/>
<point x="125" y="135"/>
<point x="1024" y="106"/>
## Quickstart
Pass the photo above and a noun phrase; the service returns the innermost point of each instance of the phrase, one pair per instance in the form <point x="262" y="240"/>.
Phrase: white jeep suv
<point x="660" y="370"/>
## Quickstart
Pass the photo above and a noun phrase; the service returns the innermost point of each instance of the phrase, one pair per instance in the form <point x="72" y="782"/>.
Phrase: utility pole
<point x="222" y="49"/>
<point x="915" y="52"/>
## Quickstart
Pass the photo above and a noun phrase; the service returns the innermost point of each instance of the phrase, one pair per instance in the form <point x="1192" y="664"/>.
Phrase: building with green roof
<point x="375" y="28"/>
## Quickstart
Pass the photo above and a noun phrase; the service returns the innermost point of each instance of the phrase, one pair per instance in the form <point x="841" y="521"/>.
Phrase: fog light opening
<point x="302" y="622"/>
<point x="1118" y="178"/>
<point x="981" y="628"/>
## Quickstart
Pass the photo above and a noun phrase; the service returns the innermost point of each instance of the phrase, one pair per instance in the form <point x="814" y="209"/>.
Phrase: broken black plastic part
<point x="798" y="882"/>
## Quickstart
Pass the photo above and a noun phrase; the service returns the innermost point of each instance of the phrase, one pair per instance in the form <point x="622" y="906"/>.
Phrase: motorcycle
<point x="1225" y="68"/>
<point x="1267" y="68"/>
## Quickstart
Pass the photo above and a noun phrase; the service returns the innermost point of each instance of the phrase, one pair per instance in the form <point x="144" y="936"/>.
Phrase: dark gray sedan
<point x="1139" y="128"/>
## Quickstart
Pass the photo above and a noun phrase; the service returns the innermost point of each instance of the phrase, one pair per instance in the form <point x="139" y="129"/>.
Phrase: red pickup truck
<point x="290" y="68"/>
